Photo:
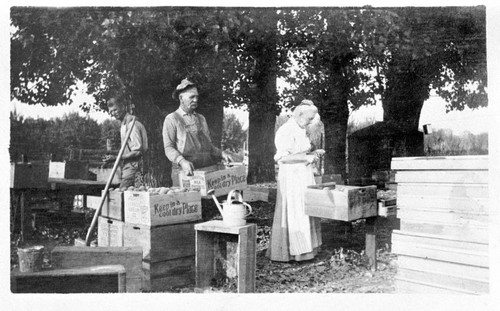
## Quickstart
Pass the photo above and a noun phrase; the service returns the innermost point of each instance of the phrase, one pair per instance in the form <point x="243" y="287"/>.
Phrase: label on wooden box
<point x="109" y="232"/>
<point x="161" y="243"/>
<point x="346" y="203"/>
<point x="144" y="208"/>
<point x="216" y="177"/>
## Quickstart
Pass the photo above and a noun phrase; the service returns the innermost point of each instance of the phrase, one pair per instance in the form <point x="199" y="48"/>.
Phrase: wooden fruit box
<point x="163" y="242"/>
<point x="146" y="209"/>
<point x="345" y="203"/>
<point x="216" y="177"/>
<point x="69" y="170"/>
<point x="28" y="175"/>
<point x="387" y="207"/>
<point x="102" y="174"/>
<point x="65" y="257"/>
<point x="168" y="274"/>
<point x="256" y="193"/>
<point x="109" y="232"/>
<point x="114" y="205"/>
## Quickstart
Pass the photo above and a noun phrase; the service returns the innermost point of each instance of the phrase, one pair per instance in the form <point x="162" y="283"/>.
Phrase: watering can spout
<point x="211" y="192"/>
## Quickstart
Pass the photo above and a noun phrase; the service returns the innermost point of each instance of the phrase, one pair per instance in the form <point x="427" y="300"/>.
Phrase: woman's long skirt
<point x="294" y="235"/>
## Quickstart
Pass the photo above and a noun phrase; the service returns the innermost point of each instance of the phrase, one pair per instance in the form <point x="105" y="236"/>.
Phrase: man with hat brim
<point x="186" y="136"/>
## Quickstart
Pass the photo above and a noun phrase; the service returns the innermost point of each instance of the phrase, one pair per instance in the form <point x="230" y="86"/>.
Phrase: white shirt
<point x="290" y="139"/>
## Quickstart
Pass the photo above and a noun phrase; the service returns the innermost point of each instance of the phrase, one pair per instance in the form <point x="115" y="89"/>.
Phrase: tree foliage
<point x="347" y="57"/>
<point x="233" y="136"/>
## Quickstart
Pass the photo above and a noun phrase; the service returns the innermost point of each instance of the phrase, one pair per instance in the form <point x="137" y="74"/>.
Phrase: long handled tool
<point x="105" y="192"/>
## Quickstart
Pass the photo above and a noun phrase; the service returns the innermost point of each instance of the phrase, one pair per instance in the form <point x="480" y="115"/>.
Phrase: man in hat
<point x="136" y="144"/>
<point x="186" y="136"/>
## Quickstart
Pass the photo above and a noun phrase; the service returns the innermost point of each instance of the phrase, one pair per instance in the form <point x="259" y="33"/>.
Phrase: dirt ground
<point x="340" y="267"/>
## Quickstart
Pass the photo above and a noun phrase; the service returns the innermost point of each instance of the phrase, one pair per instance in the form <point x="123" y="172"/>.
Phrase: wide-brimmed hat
<point x="184" y="85"/>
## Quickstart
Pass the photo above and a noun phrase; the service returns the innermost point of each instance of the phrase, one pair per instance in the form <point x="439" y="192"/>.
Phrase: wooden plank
<point x="453" y="218"/>
<point x="479" y="234"/>
<point x="441" y="163"/>
<point x="97" y="279"/>
<point x="67" y="257"/>
<point x="445" y="267"/>
<point x="143" y="208"/>
<point x="247" y="240"/>
<point x="404" y="286"/>
<point x="218" y="226"/>
<point x="161" y="243"/>
<point x="453" y="177"/>
<point x="169" y="274"/>
<point x="205" y="255"/>
<point x="446" y="190"/>
<point x="407" y="247"/>
<point x="346" y="203"/>
<point x="445" y="204"/>
<point x="453" y="282"/>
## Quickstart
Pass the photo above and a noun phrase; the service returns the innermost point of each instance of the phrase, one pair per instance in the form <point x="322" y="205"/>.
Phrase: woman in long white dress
<point x="294" y="235"/>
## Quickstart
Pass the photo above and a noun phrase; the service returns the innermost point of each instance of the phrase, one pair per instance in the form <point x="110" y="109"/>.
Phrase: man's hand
<point x="319" y="152"/>
<point x="108" y="158"/>
<point x="187" y="167"/>
<point x="226" y="157"/>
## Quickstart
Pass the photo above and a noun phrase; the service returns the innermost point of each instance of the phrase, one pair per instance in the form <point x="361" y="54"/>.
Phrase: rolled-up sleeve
<point x="170" y="140"/>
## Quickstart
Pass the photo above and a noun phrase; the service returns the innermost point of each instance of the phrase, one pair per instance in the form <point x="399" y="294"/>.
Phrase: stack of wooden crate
<point x="442" y="244"/>
<point x="162" y="224"/>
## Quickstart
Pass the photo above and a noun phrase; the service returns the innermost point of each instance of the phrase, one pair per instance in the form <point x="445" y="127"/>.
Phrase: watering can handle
<point x="237" y="196"/>
<point x="249" y="209"/>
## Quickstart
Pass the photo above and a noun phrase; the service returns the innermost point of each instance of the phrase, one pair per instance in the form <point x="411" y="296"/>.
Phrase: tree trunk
<point x="335" y="116"/>
<point x="211" y="106"/>
<point x="262" y="115"/>
<point x="404" y="98"/>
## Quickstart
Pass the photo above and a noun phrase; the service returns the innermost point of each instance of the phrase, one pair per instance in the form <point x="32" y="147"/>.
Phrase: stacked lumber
<point x="442" y="244"/>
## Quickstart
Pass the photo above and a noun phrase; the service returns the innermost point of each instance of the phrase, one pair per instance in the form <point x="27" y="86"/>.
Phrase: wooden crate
<point x="256" y="193"/>
<point x="163" y="242"/>
<point x="67" y="257"/>
<point x="346" y="203"/>
<point x="113" y="207"/>
<point x="29" y="175"/>
<point x="109" y="232"/>
<point x="97" y="279"/>
<point x="143" y="208"/>
<point x="216" y="177"/>
<point x="168" y="274"/>
<point x="69" y="170"/>
<point x="443" y="241"/>
<point x="102" y="174"/>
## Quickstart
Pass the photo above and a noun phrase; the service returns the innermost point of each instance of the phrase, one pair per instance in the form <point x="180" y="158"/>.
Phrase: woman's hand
<point x="311" y="158"/>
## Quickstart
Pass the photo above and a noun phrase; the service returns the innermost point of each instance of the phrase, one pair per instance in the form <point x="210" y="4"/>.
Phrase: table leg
<point x="247" y="260"/>
<point x="371" y="241"/>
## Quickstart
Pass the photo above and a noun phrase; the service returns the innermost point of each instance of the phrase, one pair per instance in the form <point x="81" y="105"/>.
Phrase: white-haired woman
<point x="295" y="236"/>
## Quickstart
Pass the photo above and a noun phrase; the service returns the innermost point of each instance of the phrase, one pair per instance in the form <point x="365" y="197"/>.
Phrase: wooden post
<point x="371" y="241"/>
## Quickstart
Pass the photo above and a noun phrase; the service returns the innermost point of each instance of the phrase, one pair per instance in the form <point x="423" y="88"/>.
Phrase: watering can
<point x="234" y="211"/>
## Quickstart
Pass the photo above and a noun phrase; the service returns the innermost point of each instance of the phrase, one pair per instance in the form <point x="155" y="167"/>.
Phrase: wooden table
<point x="218" y="245"/>
<point x="22" y="194"/>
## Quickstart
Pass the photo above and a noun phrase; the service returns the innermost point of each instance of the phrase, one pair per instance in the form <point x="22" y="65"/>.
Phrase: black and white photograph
<point x="234" y="155"/>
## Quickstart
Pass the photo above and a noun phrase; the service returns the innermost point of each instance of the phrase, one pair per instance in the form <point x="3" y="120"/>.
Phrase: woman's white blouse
<point x="290" y="139"/>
